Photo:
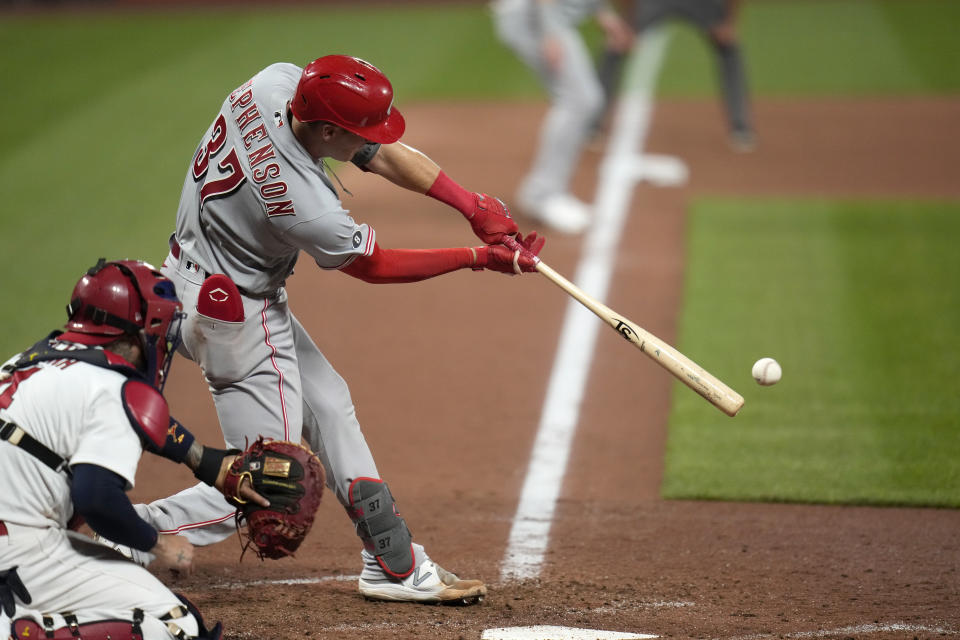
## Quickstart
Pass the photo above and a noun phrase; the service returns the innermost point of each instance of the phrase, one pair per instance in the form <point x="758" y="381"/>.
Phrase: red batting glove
<point x="489" y="217"/>
<point x="512" y="257"/>
<point x="491" y="220"/>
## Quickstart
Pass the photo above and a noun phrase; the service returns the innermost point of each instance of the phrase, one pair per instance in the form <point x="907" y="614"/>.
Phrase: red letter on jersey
<point x="284" y="208"/>
<point x="262" y="154"/>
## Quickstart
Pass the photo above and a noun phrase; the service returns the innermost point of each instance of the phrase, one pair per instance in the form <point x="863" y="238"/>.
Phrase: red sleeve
<point x="388" y="266"/>
<point x="449" y="192"/>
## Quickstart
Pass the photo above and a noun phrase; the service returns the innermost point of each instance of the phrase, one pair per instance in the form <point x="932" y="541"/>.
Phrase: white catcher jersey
<point x="253" y="197"/>
<point x="75" y="409"/>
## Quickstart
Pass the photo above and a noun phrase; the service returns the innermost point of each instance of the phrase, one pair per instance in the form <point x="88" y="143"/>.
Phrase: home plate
<point x="557" y="633"/>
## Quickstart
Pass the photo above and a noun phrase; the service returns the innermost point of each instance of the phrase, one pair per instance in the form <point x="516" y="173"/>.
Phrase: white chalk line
<point x="639" y="605"/>
<point x="530" y="532"/>
<point x="243" y="584"/>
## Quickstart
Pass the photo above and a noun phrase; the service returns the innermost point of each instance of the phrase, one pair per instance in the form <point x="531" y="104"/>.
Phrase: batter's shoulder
<point x="281" y="72"/>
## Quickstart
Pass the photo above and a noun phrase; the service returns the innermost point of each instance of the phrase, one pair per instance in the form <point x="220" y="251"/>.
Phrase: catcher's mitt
<point x="288" y="475"/>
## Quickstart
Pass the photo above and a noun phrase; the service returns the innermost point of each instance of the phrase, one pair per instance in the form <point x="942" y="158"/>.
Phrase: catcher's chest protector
<point x="383" y="531"/>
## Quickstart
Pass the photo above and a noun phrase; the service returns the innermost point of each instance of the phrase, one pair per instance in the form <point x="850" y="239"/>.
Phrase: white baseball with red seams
<point x="767" y="371"/>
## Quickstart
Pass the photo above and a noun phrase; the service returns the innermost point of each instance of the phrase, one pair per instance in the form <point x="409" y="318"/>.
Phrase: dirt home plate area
<point x="449" y="377"/>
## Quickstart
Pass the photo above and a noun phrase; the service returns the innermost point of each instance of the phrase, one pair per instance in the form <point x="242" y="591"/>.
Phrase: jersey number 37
<point x="229" y="165"/>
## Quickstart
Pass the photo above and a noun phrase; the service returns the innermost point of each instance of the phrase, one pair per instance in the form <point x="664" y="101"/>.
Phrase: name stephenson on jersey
<point x="253" y="197"/>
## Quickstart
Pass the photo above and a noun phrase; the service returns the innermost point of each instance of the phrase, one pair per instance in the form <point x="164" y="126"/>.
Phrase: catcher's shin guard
<point x="383" y="531"/>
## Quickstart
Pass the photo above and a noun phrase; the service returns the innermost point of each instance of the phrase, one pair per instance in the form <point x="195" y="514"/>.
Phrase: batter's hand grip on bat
<point x="681" y="367"/>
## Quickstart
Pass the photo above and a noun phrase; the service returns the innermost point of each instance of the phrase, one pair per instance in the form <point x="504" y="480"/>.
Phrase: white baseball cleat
<point x="429" y="583"/>
<point x="561" y="212"/>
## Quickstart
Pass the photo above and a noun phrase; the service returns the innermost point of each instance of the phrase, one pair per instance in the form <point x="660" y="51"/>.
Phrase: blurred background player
<point x="76" y="411"/>
<point x="256" y="194"/>
<point x="544" y="35"/>
<point x="717" y="20"/>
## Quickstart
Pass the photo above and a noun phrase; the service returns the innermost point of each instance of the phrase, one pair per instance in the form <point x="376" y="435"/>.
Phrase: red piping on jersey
<point x="367" y="250"/>
<point x="273" y="361"/>
<point x="195" y="525"/>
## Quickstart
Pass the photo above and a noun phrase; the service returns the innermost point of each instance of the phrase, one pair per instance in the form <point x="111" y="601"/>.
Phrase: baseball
<point x="766" y="371"/>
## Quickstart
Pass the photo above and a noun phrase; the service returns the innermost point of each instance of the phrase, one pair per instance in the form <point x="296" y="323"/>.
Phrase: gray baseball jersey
<point x="253" y="197"/>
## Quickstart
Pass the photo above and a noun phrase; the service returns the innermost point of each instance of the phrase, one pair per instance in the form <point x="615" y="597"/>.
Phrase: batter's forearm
<point x="392" y="266"/>
<point x="405" y="167"/>
<point x="408" y="168"/>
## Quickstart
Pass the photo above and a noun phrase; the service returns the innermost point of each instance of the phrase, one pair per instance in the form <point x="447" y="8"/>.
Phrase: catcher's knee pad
<point x="71" y="628"/>
<point x="27" y="629"/>
<point x="383" y="531"/>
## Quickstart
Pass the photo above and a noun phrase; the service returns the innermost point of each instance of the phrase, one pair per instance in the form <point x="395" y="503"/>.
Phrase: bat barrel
<point x="683" y="368"/>
<point x="694" y="376"/>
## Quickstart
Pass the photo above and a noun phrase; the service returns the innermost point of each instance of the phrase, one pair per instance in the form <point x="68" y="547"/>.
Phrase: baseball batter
<point x="76" y="411"/>
<point x="544" y="35"/>
<point x="257" y="193"/>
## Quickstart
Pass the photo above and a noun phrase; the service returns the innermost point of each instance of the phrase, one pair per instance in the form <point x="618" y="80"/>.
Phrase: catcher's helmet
<point x="350" y="93"/>
<point x="127" y="297"/>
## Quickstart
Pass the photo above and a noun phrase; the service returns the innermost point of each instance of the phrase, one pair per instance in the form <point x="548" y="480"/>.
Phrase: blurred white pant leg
<point x="576" y="101"/>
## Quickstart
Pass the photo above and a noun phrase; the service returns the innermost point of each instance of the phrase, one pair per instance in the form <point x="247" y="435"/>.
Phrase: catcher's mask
<point x="350" y="93"/>
<point x="128" y="297"/>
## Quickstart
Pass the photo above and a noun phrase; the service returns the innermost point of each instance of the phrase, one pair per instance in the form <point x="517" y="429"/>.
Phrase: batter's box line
<point x="243" y="584"/>
<point x="854" y="629"/>
<point x="622" y="605"/>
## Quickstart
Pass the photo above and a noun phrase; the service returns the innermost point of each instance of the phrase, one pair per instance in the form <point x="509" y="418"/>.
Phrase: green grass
<point x="859" y="303"/>
<point x="829" y="47"/>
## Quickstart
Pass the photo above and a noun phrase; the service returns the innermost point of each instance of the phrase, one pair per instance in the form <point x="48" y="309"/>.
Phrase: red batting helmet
<point x="127" y="297"/>
<point x="349" y="93"/>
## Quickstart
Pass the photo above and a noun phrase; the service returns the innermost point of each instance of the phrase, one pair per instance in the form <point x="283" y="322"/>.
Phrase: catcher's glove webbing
<point x="291" y="477"/>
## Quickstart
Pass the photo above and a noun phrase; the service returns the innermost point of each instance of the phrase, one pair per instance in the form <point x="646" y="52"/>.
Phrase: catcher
<point x="76" y="411"/>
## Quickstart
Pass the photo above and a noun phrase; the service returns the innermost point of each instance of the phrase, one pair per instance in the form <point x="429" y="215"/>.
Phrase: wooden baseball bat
<point x="683" y="368"/>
